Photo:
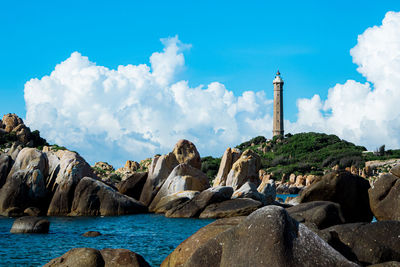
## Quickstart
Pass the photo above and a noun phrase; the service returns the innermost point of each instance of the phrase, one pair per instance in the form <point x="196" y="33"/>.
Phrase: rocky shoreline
<point x="328" y="224"/>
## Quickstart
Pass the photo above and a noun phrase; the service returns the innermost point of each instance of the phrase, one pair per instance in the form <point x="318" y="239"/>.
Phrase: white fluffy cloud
<point x="136" y="111"/>
<point x="369" y="113"/>
<point x="139" y="110"/>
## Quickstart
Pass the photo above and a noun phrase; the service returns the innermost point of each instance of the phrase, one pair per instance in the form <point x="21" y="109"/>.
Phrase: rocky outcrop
<point x="268" y="189"/>
<point x="185" y="250"/>
<point x="268" y="237"/>
<point x="231" y="208"/>
<point x="231" y="155"/>
<point x="172" y="202"/>
<point x="319" y="214"/>
<point x="91" y="234"/>
<point x="133" y="185"/>
<point x="249" y="190"/>
<point x="5" y="166"/>
<point x="26" y="182"/>
<point x="183" y="177"/>
<point x="72" y="169"/>
<point x="244" y="169"/>
<point x="366" y="243"/>
<point x="161" y="167"/>
<point x="30" y="224"/>
<point x="94" y="198"/>
<point x="384" y="197"/>
<point x="13" y="124"/>
<point x="344" y="188"/>
<point x="90" y="257"/>
<point x="199" y="202"/>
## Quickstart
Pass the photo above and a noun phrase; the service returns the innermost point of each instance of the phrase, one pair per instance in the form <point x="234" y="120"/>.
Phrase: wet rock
<point x="231" y="208"/>
<point x="32" y="211"/>
<point x="344" y="188"/>
<point x="30" y="224"/>
<point x="91" y="234"/>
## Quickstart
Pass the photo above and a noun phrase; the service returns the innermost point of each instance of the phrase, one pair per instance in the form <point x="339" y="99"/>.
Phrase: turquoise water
<point x="152" y="236"/>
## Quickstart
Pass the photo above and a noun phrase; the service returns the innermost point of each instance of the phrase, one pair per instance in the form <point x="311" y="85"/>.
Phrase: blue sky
<point x="240" y="45"/>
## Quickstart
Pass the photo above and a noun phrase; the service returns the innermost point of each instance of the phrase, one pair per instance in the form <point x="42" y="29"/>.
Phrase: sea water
<point x="150" y="235"/>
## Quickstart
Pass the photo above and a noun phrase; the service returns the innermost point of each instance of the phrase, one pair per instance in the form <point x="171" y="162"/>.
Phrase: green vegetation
<point x="6" y="139"/>
<point x="209" y="166"/>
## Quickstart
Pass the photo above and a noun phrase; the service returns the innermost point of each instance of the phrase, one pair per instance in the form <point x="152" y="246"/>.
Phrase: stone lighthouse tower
<point x="278" y="105"/>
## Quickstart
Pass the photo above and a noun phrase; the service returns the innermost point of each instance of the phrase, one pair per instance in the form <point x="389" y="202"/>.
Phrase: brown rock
<point x="32" y="211"/>
<point x="122" y="258"/>
<point x="183" y="177"/>
<point x="244" y="169"/>
<point x="186" y="152"/>
<point x="5" y="167"/>
<point x="131" y="165"/>
<point x="171" y="202"/>
<point x="185" y="250"/>
<point x="231" y="208"/>
<point x="91" y="234"/>
<point x="231" y="155"/>
<point x="10" y="121"/>
<point x="30" y="224"/>
<point x="133" y="185"/>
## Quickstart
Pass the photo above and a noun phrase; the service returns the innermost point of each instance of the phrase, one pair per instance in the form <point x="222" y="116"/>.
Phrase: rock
<point x="300" y="181"/>
<point x="10" y="121"/>
<point x="23" y="133"/>
<point x="95" y="198"/>
<point x="123" y="258"/>
<point x="231" y="208"/>
<point x="267" y="237"/>
<point x="87" y="257"/>
<point x="185" y="250"/>
<point x="173" y="201"/>
<point x="26" y="182"/>
<point x="131" y="165"/>
<point x="14" y="150"/>
<point x="322" y="214"/>
<point x="104" y="166"/>
<point x="282" y="189"/>
<point x="292" y="178"/>
<point x="91" y="234"/>
<point x="384" y="197"/>
<point x="159" y="171"/>
<point x="13" y="212"/>
<point x="90" y="257"/>
<point x="395" y="170"/>
<point x="30" y="224"/>
<point x="344" y="188"/>
<point x="194" y="207"/>
<point x="366" y="243"/>
<point x="183" y="177"/>
<point x="268" y="189"/>
<point x="231" y="155"/>
<point x="386" y="264"/>
<point x="133" y="185"/>
<point x="186" y="152"/>
<point x="310" y="179"/>
<point x="5" y="166"/>
<point x="72" y="169"/>
<point x="32" y="211"/>
<point x="249" y="190"/>
<point x="244" y="169"/>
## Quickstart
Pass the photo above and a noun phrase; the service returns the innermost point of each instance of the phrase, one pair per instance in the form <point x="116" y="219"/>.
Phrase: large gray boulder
<point x="93" y="197"/>
<point x="344" y="188"/>
<point x="173" y="201"/>
<point x="319" y="214"/>
<point x="182" y="178"/>
<point x="249" y="190"/>
<point x="133" y="185"/>
<point x="89" y="257"/>
<point x="71" y="170"/>
<point x="268" y="237"/>
<point x="194" y="207"/>
<point x="384" y="197"/>
<point x="231" y="208"/>
<point x="366" y="243"/>
<point x="25" y="185"/>
<point x="30" y="224"/>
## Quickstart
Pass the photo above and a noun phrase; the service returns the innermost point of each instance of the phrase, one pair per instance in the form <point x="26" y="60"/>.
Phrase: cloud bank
<point x="364" y="113"/>
<point x="136" y="111"/>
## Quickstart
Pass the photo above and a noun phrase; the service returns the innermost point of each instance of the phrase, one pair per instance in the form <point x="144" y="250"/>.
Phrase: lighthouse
<point x="278" y="105"/>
